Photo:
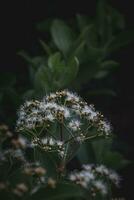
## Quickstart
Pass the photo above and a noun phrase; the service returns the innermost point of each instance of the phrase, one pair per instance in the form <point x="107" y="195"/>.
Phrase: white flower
<point x="59" y="143"/>
<point x="102" y="170"/>
<point x="23" y="142"/>
<point x="35" y="111"/>
<point x="74" y="125"/>
<point x="89" y="112"/>
<point x="61" y="153"/>
<point x="50" y="97"/>
<point x="87" y="167"/>
<point x="44" y="141"/>
<point x="72" y="177"/>
<point x="28" y="103"/>
<point x="83" y="178"/>
<point x="105" y="126"/>
<point x="66" y="113"/>
<point x="49" y="117"/>
<point x="51" y="142"/>
<point x="100" y="186"/>
<point x="62" y="109"/>
<point x="113" y="176"/>
<point x="72" y="97"/>
<point x="88" y="176"/>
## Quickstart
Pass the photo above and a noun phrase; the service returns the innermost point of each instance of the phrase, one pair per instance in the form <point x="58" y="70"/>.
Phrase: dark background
<point x="17" y="31"/>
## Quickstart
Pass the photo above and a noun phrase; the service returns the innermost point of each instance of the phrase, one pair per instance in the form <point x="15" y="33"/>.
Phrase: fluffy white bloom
<point x="49" y="117"/>
<point x="64" y="110"/>
<point x="102" y="170"/>
<point x="87" y="167"/>
<point x="89" y="112"/>
<point x="50" y="97"/>
<point x="44" y="106"/>
<point x="89" y="179"/>
<point x="100" y="186"/>
<point x="114" y="177"/>
<point x="74" y="125"/>
<point x="72" y="97"/>
<point x="59" y="143"/>
<point x="83" y="178"/>
<point x="67" y="113"/>
<point x="105" y="126"/>
<point x="51" y="142"/>
<point x="44" y="141"/>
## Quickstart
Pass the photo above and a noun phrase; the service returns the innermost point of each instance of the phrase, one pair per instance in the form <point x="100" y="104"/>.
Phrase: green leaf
<point x="116" y="19"/>
<point x="56" y="64"/>
<point x="109" y="21"/>
<point x="45" y="47"/>
<point x="72" y="68"/>
<point x="83" y="21"/>
<point x="105" y="68"/>
<point x="114" y="160"/>
<point x="62" y="191"/>
<point x="101" y="74"/>
<point x="101" y="19"/>
<point x="109" y="64"/>
<point x="24" y="55"/>
<point x="101" y="146"/>
<point x="86" y="153"/>
<point x="63" y="73"/>
<point x="62" y="36"/>
<point x="105" y="155"/>
<point x="121" y="40"/>
<point x="42" y="80"/>
<point x="58" y="70"/>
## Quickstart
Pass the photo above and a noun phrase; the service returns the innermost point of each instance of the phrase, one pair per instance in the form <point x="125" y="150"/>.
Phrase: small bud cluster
<point x="4" y="132"/>
<point x="95" y="178"/>
<point x="29" y="171"/>
<point x="20" y="189"/>
<point x="34" y="169"/>
<point x="66" y="110"/>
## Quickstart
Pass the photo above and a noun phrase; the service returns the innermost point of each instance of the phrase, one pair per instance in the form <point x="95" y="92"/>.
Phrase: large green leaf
<point x="62" y="36"/>
<point x="83" y="21"/>
<point x="72" y="68"/>
<point x="42" y="80"/>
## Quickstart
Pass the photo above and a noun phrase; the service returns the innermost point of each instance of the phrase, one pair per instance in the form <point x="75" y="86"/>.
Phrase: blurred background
<point x="18" y="31"/>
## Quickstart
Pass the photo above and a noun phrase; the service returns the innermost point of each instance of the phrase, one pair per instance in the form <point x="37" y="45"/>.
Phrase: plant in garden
<point x="62" y="125"/>
<point x="54" y="127"/>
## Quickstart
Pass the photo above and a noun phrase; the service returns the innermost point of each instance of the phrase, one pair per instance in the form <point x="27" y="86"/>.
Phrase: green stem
<point x="61" y="131"/>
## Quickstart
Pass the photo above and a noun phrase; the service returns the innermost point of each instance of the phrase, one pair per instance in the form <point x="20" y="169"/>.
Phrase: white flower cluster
<point x="112" y="175"/>
<point x="95" y="178"/>
<point x="65" y="110"/>
<point x="49" y="144"/>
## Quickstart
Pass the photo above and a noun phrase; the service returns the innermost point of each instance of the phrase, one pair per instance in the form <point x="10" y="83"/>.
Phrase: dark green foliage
<point x="86" y="41"/>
